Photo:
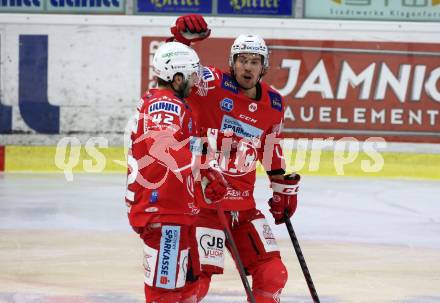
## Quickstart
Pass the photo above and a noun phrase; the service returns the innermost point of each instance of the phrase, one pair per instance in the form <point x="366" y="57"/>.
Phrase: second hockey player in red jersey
<point x="241" y="117"/>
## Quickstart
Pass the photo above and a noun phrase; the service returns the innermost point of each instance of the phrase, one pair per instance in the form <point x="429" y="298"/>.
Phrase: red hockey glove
<point x="214" y="185"/>
<point x="284" y="200"/>
<point x="190" y="28"/>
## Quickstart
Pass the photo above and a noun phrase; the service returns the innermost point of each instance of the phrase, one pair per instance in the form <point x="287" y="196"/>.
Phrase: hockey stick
<point x="234" y="252"/>
<point x="301" y="260"/>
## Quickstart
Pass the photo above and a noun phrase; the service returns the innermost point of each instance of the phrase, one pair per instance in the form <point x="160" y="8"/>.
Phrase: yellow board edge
<point x="319" y="163"/>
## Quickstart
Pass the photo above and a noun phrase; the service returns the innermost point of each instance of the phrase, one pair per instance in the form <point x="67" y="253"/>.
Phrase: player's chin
<point x="247" y="83"/>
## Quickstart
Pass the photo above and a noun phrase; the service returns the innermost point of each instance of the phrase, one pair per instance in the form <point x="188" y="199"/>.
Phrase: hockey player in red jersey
<point x="160" y="182"/>
<point x="241" y="116"/>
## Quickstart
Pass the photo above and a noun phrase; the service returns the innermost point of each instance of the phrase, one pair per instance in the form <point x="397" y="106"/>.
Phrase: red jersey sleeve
<point x="270" y="152"/>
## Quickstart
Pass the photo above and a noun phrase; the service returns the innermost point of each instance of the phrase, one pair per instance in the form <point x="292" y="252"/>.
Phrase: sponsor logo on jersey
<point x="150" y="259"/>
<point x="246" y="118"/>
<point x="275" y="101"/>
<point x="194" y="210"/>
<point x="154" y="196"/>
<point x="207" y="75"/>
<point x="268" y="235"/>
<point x="240" y="128"/>
<point x="229" y="84"/>
<point x="152" y="209"/>
<point x="234" y="194"/>
<point x="265" y="233"/>
<point x="211" y="244"/>
<point x="227" y="105"/>
<point x="190" y="125"/>
<point x="196" y="145"/>
<point x="147" y="266"/>
<point x="164" y="106"/>
<point x="183" y="269"/>
<point x="168" y="254"/>
<point x="253" y="107"/>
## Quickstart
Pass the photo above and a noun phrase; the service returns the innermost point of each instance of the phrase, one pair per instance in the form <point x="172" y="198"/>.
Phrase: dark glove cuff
<point x="276" y="172"/>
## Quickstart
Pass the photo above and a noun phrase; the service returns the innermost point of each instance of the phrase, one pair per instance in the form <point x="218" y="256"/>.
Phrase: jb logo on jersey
<point x="211" y="246"/>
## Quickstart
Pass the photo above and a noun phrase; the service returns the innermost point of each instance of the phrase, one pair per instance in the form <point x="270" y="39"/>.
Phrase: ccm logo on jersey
<point x="244" y="117"/>
<point x="164" y="106"/>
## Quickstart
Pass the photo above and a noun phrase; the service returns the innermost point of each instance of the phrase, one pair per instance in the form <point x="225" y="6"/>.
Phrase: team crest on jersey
<point x="164" y="106"/>
<point x="207" y="75"/>
<point x="253" y="107"/>
<point x="229" y="84"/>
<point x="227" y="105"/>
<point x="275" y="101"/>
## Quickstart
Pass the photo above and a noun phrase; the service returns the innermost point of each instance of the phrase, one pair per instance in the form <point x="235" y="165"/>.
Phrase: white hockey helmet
<point x="174" y="57"/>
<point x="249" y="44"/>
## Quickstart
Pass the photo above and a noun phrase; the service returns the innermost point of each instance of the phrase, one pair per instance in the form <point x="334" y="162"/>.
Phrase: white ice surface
<point x="338" y="209"/>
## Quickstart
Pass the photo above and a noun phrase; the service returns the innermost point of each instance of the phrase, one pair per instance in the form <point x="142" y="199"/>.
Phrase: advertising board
<point x="337" y="88"/>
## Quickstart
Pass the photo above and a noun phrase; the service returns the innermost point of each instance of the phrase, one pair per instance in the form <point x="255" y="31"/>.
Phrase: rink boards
<point x="408" y="165"/>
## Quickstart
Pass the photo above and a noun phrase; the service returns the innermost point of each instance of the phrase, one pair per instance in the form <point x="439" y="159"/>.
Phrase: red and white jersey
<point x="160" y="183"/>
<point x="242" y="131"/>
